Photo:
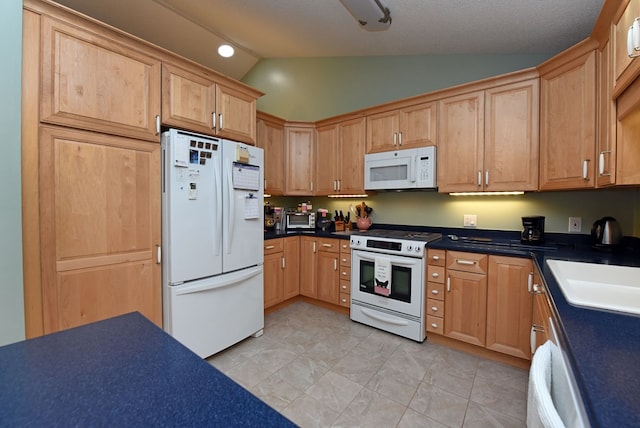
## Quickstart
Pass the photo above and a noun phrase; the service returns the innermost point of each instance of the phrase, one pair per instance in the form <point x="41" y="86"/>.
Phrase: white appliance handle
<point x="377" y="317"/>
<point x="231" y="202"/>
<point x="213" y="283"/>
<point x="398" y="261"/>
<point x="217" y="185"/>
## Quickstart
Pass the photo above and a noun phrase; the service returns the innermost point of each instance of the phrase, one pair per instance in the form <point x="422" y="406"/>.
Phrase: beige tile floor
<point x="320" y="369"/>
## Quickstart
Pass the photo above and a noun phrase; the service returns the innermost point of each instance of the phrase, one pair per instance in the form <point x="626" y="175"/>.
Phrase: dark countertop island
<point x="124" y="371"/>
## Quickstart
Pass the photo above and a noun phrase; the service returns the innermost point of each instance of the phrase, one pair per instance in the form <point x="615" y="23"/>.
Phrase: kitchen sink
<point x="598" y="286"/>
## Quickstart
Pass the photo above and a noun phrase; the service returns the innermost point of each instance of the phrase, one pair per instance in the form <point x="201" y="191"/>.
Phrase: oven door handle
<point x="375" y="316"/>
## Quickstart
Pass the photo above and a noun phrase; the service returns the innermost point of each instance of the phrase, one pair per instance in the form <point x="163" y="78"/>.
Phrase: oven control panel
<point x="400" y="247"/>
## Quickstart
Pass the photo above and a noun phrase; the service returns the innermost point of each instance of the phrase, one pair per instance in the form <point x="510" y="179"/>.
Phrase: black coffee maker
<point x="533" y="230"/>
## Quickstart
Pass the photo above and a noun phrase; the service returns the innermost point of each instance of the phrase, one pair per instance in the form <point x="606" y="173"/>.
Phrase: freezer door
<point x="243" y="211"/>
<point x="192" y="206"/>
<point x="211" y="314"/>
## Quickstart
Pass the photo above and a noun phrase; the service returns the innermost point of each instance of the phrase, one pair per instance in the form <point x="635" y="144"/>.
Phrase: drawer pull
<point x="343" y="300"/>
<point x="434" y="325"/>
<point x="344" y="260"/>
<point x="344" y="287"/>
<point x="434" y="291"/>
<point x="435" y="274"/>
<point x="466" y="262"/>
<point x="434" y="309"/>
<point x="269" y="247"/>
<point x="344" y="273"/>
<point x="436" y="258"/>
<point x="327" y="245"/>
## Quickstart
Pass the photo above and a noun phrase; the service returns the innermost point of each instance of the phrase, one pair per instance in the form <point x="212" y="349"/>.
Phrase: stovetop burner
<point x="426" y="237"/>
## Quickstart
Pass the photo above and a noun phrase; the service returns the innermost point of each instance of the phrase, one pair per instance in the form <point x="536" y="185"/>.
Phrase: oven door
<point x="406" y="294"/>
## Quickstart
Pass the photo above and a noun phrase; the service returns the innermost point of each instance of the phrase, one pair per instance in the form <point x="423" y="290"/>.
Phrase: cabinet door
<point x="328" y="277"/>
<point x="299" y="152"/>
<point x="100" y="227"/>
<point x="621" y="24"/>
<point x="308" y="266"/>
<point x="418" y="126"/>
<point x="509" y="306"/>
<point x="628" y="136"/>
<point x="606" y="141"/>
<point x="291" y="267"/>
<point x="350" y="157"/>
<point x="541" y="315"/>
<point x="273" y="279"/>
<point x="271" y="139"/>
<point x="89" y="81"/>
<point x="188" y="99"/>
<point x="511" y="143"/>
<point x="325" y="160"/>
<point x="465" y="307"/>
<point x="461" y="143"/>
<point x="567" y="125"/>
<point x="236" y="112"/>
<point x="382" y="131"/>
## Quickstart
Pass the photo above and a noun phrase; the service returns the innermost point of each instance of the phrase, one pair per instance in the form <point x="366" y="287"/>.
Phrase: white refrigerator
<point x="212" y="235"/>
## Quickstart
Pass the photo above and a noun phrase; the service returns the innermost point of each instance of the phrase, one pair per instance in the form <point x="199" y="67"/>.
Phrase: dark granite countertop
<point x="603" y="348"/>
<point x="124" y="371"/>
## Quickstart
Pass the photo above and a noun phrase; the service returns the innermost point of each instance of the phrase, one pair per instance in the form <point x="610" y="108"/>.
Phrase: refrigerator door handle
<point x="218" y="186"/>
<point x="231" y="202"/>
<point x="221" y="282"/>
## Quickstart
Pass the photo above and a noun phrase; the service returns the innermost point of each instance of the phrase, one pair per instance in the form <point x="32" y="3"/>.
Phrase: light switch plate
<point x="575" y="224"/>
<point x="470" y="220"/>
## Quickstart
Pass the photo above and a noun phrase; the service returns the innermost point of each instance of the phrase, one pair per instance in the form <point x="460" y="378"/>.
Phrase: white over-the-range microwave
<point x="401" y="169"/>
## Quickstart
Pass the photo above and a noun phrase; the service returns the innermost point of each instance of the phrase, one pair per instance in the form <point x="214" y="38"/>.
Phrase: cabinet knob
<point x="434" y="309"/>
<point x="434" y="325"/>
<point x="435" y="274"/>
<point x="434" y="291"/>
<point x="436" y="258"/>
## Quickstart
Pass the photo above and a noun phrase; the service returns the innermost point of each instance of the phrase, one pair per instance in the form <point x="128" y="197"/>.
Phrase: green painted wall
<point x="11" y="294"/>
<point x="310" y="89"/>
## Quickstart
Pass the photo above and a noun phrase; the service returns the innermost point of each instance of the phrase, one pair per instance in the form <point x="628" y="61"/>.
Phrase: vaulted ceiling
<point x="324" y="28"/>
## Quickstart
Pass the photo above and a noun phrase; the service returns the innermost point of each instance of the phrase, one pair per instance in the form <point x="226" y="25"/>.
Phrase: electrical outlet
<point x="575" y="224"/>
<point x="470" y="220"/>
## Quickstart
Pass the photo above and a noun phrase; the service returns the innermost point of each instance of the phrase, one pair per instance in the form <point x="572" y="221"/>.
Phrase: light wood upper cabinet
<point x="461" y="137"/>
<point x="236" y="111"/>
<point x="339" y="158"/>
<point x="509" y="306"/>
<point x="270" y="137"/>
<point x="568" y="124"/>
<point x="628" y="136"/>
<point x="624" y="67"/>
<point x="511" y="143"/>
<point x="91" y="81"/>
<point x="299" y="150"/>
<point x="489" y="139"/>
<point x="100" y="210"/>
<point x="192" y="99"/>
<point x="403" y="128"/>
<point x="606" y="141"/>
<point x="326" y="160"/>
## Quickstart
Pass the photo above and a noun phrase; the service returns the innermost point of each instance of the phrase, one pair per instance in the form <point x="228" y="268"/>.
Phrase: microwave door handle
<point x="412" y="169"/>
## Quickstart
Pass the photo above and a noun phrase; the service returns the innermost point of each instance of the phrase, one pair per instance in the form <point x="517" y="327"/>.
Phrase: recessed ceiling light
<point x="225" y="51"/>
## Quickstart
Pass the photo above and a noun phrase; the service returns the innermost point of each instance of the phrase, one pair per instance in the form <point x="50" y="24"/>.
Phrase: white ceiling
<point x="323" y="28"/>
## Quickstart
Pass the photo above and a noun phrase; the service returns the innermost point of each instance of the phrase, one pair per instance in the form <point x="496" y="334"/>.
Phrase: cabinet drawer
<point x="329" y="245"/>
<point x="435" y="273"/>
<point x="435" y="307"/>
<point x="345" y="259"/>
<point x="345" y="246"/>
<point x="436" y="257"/>
<point x="435" y="290"/>
<point x="435" y="324"/>
<point x="345" y="287"/>
<point x="345" y="300"/>
<point x="273" y="246"/>
<point x="467" y="262"/>
<point x="345" y="273"/>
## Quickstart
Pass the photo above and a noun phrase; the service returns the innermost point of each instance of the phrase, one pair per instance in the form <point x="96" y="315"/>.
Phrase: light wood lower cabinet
<point x="100" y="227"/>
<point x="281" y="270"/>
<point x="466" y="297"/>
<point x="509" y="306"/>
<point x="434" y="302"/>
<point x="486" y="301"/>
<point x="328" y="275"/>
<point x="308" y="266"/>
<point x="345" y="274"/>
<point x="541" y="323"/>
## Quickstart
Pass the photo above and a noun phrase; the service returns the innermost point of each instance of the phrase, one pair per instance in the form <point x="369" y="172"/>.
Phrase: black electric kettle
<point x="606" y="232"/>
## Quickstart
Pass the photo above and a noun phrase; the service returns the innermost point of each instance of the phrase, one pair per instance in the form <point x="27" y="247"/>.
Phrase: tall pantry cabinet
<point x="93" y="105"/>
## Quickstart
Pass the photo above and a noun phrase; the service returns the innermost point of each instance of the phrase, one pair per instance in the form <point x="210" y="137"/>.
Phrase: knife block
<point x="339" y="226"/>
